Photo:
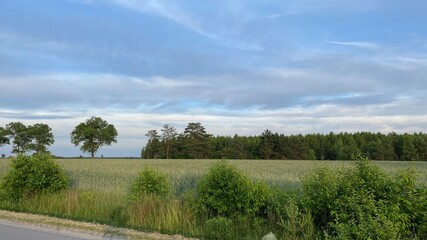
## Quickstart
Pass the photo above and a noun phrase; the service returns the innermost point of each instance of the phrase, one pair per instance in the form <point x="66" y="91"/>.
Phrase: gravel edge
<point x="84" y="227"/>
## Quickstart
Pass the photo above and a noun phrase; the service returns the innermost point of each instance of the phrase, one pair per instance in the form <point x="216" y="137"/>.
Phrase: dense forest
<point x="196" y="143"/>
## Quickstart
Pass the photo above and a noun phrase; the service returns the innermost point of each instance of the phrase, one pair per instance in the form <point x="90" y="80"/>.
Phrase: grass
<point x="103" y="231"/>
<point x="100" y="189"/>
<point x="116" y="175"/>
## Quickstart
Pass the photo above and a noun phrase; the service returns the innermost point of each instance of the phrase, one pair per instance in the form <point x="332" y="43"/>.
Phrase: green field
<point x="115" y="175"/>
<point x="100" y="189"/>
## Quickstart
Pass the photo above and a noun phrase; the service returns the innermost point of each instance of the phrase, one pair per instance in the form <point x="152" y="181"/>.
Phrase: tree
<point x="409" y="153"/>
<point x="42" y="137"/>
<point x="153" y="145"/>
<point x="168" y="136"/>
<point x="196" y="142"/>
<point x="3" y="137"/>
<point x="28" y="138"/>
<point x="20" y="135"/>
<point x="266" y="149"/>
<point x="93" y="134"/>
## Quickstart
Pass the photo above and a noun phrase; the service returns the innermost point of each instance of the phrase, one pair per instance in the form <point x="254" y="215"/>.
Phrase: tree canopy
<point x="3" y="137"/>
<point x="42" y="137"/>
<point x="93" y="134"/>
<point x="195" y="142"/>
<point x="168" y="136"/>
<point x="20" y="135"/>
<point x="24" y="138"/>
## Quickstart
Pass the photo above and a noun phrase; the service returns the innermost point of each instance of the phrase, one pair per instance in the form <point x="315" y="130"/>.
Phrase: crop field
<point x="100" y="189"/>
<point x="116" y="175"/>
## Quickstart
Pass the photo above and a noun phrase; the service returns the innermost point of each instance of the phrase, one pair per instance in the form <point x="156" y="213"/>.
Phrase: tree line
<point x="196" y="143"/>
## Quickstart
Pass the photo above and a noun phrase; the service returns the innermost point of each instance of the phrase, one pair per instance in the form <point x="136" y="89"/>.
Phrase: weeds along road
<point x="20" y="231"/>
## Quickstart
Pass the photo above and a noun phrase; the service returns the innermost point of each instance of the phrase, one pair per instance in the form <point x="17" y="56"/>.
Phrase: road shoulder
<point x="82" y="228"/>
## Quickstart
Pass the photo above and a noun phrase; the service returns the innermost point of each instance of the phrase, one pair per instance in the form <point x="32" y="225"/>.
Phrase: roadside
<point x="76" y="227"/>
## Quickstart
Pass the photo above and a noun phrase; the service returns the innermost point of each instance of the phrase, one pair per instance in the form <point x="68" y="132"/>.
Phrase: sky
<point x="238" y="67"/>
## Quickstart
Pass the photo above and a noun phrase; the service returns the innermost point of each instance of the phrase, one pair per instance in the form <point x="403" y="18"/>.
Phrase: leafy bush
<point x="363" y="202"/>
<point x="150" y="182"/>
<point x="226" y="191"/>
<point x="219" y="228"/>
<point x="32" y="175"/>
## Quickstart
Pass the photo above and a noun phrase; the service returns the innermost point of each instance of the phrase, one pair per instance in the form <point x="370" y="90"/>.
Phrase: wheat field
<point x="115" y="175"/>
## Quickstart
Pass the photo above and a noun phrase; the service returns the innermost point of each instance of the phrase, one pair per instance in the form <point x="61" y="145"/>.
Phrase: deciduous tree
<point x="153" y="145"/>
<point x="168" y="136"/>
<point x="3" y="137"/>
<point x="20" y="135"/>
<point x="93" y="134"/>
<point x="42" y="137"/>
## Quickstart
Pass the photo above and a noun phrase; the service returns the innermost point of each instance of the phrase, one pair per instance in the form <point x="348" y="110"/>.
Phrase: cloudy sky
<point x="236" y="66"/>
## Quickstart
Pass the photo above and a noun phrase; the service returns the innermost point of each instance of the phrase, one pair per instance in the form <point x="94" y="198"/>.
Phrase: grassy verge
<point x="83" y="227"/>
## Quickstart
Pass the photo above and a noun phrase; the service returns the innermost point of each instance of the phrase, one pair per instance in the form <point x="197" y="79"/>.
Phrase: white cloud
<point x="190" y="20"/>
<point x="132" y="126"/>
<point x="358" y="44"/>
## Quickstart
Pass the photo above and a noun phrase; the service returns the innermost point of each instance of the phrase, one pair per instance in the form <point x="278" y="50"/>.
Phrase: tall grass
<point x="115" y="175"/>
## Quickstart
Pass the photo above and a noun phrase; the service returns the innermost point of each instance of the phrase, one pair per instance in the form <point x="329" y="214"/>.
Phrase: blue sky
<point x="238" y="66"/>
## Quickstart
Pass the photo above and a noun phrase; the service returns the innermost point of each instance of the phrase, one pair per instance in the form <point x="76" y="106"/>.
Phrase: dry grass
<point x="83" y="227"/>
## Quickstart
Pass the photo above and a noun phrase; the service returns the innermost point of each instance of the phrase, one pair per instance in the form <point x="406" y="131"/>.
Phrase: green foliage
<point x="150" y="182"/>
<point x="226" y="191"/>
<point x="219" y="228"/>
<point x="168" y="137"/>
<point x="288" y="218"/>
<point x="102" y="188"/>
<point x="3" y="137"/>
<point x="35" y="137"/>
<point x="363" y="202"/>
<point x="409" y="152"/>
<point x="418" y="208"/>
<point x="320" y="190"/>
<point x="93" y="134"/>
<point x="42" y="137"/>
<point x="21" y="138"/>
<point x="29" y="176"/>
<point x="152" y="149"/>
<point x="194" y="142"/>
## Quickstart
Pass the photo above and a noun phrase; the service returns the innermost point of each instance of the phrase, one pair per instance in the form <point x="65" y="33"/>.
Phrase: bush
<point x="288" y="219"/>
<point x="363" y="203"/>
<point x="219" y="228"/>
<point x="225" y="191"/>
<point x="29" y="176"/>
<point x="150" y="182"/>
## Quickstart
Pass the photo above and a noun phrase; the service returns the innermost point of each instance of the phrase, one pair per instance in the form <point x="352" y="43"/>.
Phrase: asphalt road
<point x="18" y="231"/>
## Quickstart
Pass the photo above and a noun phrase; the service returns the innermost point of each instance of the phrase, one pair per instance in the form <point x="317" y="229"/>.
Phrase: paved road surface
<point x="18" y="231"/>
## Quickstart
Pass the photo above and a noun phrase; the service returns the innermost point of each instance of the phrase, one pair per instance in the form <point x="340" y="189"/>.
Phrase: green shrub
<point x="32" y="175"/>
<point x="289" y="220"/>
<point x="363" y="203"/>
<point x="219" y="228"/>
<point x="150" y="182"/>
<point x="226" y="191"/>
<point x="320" y="191"/>
<point x="420" y="214"/>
